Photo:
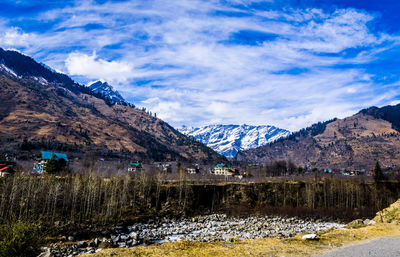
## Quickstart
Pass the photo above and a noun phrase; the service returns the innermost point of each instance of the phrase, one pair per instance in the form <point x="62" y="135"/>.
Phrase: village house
<point x="5" y="170"/>
<point x="135" y="166"/>
<point x="40" y="162"/>
<point x="223" y="169"/>
<point x="193" y="169"/>
<point x="165" y="167"/>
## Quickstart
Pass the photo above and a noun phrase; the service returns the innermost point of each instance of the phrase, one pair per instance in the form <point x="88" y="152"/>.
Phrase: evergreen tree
<point x="378" y="174"/>
<point x="55" y="166"/>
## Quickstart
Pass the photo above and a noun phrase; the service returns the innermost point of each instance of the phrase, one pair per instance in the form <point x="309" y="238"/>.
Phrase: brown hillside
<point x="355" y="142"/>
<point x="37" y="115"/>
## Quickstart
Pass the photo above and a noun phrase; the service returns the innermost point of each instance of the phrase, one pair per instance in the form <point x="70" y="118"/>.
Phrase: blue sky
<point x="197" y="62"/>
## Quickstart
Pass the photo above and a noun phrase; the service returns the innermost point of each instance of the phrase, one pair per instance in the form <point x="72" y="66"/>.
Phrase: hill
<point x="43" y="109"/>
<point x="354" y="142"/>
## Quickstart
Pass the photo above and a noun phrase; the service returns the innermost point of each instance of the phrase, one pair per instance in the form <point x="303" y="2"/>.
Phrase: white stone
<point x="309" y="237"/>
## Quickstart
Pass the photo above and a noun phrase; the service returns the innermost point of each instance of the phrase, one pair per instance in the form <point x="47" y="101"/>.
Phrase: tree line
<point x="91" y="199"/>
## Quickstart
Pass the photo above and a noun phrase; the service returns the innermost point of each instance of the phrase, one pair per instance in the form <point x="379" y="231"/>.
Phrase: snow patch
<point x="8" y="70"/>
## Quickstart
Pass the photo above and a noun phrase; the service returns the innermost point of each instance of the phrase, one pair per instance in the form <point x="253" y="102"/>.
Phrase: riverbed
<point x="208" y="228"/>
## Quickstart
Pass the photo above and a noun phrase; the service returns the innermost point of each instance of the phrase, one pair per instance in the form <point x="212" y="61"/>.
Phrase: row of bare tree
<point x="85" y="199"/>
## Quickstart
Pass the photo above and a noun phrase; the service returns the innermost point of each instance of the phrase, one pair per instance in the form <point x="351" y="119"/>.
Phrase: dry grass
<point x="261" y="247"/>
<point x="390" y="214"/>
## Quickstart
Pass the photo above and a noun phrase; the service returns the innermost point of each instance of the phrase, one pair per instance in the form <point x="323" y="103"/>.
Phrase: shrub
<point x="20" y="238"/>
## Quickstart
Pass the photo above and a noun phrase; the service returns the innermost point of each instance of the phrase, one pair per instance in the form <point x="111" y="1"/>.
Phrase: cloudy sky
<point x="198" y="62"/>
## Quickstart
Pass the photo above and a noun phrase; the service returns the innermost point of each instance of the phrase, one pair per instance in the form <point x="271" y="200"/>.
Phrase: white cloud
<point x="395" y="102"/>
<point x="178" y="59"/>
<point x="96" y="68"/>
<point x="15" y="37"/>
<point x="165" y="109"/>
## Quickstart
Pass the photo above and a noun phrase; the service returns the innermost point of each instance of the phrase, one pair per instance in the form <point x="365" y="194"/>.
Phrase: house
<point x="165" y="167"/>
<point x="5" y="170"/>
<point x="223" y="169"/>
<point x="193" y="169"/>
<point x="135" y="166"/>
<point x="40" y="162"/>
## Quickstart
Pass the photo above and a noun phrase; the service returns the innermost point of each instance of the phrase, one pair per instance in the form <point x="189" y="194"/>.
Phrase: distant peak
<point x="229" y="139"/>
<point x="107" y="91"/>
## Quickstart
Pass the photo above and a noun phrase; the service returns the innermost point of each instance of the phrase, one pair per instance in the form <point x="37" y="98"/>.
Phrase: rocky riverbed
<point x="208" y="228"/>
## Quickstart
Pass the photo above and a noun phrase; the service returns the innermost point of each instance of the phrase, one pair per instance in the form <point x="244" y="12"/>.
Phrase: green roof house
<point x="222" y="169"/>
<point x="134" y="166"/>
<point x="38" y="165"/>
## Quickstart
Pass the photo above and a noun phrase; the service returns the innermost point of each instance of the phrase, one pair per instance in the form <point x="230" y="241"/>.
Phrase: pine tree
<point x="378" y="174"/>
<point x="54" y="166"/>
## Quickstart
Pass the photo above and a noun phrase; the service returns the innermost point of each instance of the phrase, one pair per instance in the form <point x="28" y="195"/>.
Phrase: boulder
<point x="45" y="253"/>
<point x="366" y="221"/>
<point x="82" y="244"/>
<point x="356" y="224"/>
<point x="133" y="235"/>
<point x="97" y="241"/>
<point x="310" y="237"/>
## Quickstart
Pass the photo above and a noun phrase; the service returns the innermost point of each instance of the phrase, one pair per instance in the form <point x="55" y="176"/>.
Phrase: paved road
<point x="383" y="247"/>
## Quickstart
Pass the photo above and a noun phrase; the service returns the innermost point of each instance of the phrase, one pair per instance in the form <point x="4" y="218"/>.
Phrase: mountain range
<point x="44" y="109"/>
<point x="355" y="142"/>
<point x="229" y="139"/>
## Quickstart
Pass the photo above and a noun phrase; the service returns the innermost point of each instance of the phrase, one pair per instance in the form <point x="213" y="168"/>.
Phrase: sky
<point x="196" y="62"/>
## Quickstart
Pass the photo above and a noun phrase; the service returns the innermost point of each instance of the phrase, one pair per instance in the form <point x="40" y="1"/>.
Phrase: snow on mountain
<point x="107" y="91"/>
<point x="5" y="69"/>
<point x="10" y="72"/>
<point x="229" y="139"/>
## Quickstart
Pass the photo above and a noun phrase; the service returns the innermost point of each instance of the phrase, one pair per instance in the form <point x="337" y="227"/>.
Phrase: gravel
<point x="383" y="247"/>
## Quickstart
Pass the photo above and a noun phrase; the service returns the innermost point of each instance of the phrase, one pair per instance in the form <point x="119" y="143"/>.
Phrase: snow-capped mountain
<point x="229" y="139"/>
<point x="107" y="91"/>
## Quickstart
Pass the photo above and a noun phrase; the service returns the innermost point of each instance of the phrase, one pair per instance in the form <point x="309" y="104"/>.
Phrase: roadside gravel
<point x="383" y="247"/>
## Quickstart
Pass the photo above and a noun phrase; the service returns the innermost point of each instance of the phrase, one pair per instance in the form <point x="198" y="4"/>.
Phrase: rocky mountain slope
<point x="355" y="142"/>
<point x="43" y="109"/>
<point x="229" y="139"/>
<point x="107" y="92"/>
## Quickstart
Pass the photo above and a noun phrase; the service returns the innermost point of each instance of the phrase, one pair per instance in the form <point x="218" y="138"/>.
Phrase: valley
<point x="83" y="171"/>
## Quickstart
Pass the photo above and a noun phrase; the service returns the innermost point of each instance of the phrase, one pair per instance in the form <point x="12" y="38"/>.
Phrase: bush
<point x="20" y="238"/>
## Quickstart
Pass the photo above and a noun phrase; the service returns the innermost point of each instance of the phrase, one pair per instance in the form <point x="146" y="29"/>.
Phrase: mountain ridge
<point x="355" y="142"/>
<point x="43" y="109"/>
<point x="229" y="139"/>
